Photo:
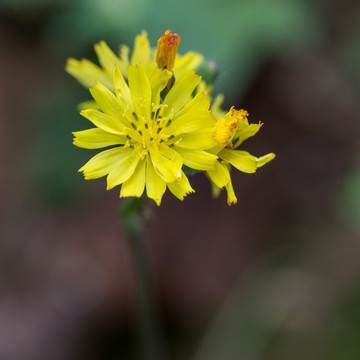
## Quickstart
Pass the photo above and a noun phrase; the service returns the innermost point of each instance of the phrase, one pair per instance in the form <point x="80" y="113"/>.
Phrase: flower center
<point x="148" y="132"/>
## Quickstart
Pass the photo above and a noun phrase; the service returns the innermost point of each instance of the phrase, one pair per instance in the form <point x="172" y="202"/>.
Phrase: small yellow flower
<point x="231" y="130"/>
<point x="152" y="137"/>
<point x="87" y="73"/>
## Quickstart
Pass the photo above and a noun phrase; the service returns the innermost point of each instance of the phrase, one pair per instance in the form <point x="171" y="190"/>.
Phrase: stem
<point x="132" y="216"/>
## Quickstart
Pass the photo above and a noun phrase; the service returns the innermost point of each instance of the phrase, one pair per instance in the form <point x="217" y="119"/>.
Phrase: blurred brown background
<point x="276" y="276"/>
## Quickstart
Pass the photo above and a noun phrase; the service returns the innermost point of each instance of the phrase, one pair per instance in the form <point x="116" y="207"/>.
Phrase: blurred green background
<point x="276" y="276"/>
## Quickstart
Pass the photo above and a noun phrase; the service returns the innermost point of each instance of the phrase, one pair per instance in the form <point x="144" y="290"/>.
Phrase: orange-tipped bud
<point x="226" y="127"/>
<point x="166" y="50"/>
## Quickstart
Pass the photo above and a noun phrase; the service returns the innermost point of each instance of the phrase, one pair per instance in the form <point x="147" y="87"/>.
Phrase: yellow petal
<point x="189" y="61"/>
<point x="167" y="162"/>
<point x="197" y="140"/>
<point x="87" y="73"/>
<point x="216" y="107"/>
<point x="102" y="163"/>
<point x="199" y="102"/>
<point x="181" y="92"/>
<point x="242" y="160"/>
<point x="97" y="138"/>
<point x="159" y="78"/>
<point x="124" y="56"/>
<point x="198" y="159"/>
<point x="264" y="159"/>
<point x="121" y="88"/>
<point x="142" y="51"/>
<point x="107" y="58"/>
<point x="136" y="184"/>
<point x="103" y="121"/>
<point x="190" y="121"/>
<point x="140" y="90"/>
<point x="155" y="185"/>
<point x="107" y="101"/>
<point x="181" y="188"/>
<point x="91" y="104"/>
<point x="246" y="131"/>
<point x="220" y="176"/>
<point x="124" y="169"/>
<point x="231" y="197"/>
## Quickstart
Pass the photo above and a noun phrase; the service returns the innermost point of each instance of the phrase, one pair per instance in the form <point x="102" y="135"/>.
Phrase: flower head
<point x="151" y="112"/>
<point x="231" y="130"/>
<point x="151" y="137"/>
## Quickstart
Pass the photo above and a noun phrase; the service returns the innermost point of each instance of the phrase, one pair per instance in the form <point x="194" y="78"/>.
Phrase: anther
<point x="133" y="125"/>
<point x="135" y="116"/>
<point x="168" y="123"/>
<point x="158" y="130"/>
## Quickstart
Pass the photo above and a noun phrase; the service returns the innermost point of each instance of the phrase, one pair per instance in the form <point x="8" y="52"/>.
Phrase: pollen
<point x="225" y="128"/>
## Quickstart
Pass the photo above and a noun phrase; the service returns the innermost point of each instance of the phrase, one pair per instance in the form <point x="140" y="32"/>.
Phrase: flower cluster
<point x="152" y="113"/>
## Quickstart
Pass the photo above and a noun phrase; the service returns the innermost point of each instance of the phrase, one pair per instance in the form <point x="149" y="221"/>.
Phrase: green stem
<point x="132" y="216"/>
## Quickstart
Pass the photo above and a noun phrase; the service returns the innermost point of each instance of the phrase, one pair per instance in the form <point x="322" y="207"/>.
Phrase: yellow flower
<point x="151" y="137"/>
<point x="231" y="130"/>
<point x="87" y="73"/>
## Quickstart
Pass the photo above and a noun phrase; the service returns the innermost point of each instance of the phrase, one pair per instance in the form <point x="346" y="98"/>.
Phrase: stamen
<point x="158" y="130"/>
<point x="133" y="125"/>
<point x="135" y="116"/>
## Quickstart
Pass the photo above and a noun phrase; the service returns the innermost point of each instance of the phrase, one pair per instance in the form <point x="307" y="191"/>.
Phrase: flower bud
<point x="166" y="50"/>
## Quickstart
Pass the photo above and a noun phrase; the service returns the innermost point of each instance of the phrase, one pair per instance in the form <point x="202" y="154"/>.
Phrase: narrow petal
<point x="87" y="73"/>
<point x="124" y="169"/>
<point x="142" y="51"/>
<point x="159" y="78"/>
<point x="190" y="121"/>
<point x="121" y="88"/>
<point x="231" y="197"/>
<point x="103" y="121"/>
<point x="107" y="58"/>
<point x="155" y="185"/>
<point x="244" y="132"/>
<point x="189" y="61"/>
<point x="97" y="138"/>
<point x="181" y="92"/>
<point x="199" y="102"/>
<point x="140" y="90"/>
<point x="91" y="104"/>
<point x="220" y="176"/>
<point x="198" y="159"/>
<point x="264" y="159"/>
<point x="107" y="101"/>
<point x="136" y="184"/>
<point x="197" y="140"/>
<point x="181" y="188"/>
<point x="124" y="56"/>
<point x="167" y="162"/>
<point x="102" y="163"/>
<point x="242" y="160"/>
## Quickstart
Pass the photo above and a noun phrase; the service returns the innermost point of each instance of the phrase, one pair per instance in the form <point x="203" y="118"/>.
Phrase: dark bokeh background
<point x="275" y="277"/>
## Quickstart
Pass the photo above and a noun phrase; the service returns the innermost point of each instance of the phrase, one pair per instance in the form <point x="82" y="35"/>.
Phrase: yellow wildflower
<point x="152" y="136"/>
<point x="231" y="130"/>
